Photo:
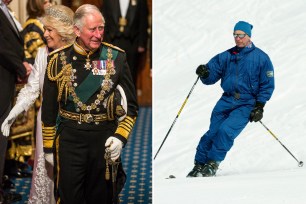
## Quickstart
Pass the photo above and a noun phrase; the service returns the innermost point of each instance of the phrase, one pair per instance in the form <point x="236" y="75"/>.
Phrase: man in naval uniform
<point x="83" y="115"/>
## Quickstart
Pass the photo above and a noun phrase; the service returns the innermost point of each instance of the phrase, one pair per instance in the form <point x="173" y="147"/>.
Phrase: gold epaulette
<point x="59" y="49"/>
<point x="113" y="46"/>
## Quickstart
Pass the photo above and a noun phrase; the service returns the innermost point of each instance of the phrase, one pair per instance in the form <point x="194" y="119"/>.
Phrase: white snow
<point x="257" y="169"/>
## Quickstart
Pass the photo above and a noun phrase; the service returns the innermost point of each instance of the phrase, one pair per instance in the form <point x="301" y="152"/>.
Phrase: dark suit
<point x="134" y="34"/>
<point x="11" y="66"/>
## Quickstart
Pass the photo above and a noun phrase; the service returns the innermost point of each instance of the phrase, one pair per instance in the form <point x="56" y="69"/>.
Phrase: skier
<point x="247" y="79"/>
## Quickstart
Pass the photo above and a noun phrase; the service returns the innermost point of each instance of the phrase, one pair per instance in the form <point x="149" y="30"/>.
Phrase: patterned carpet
<point x="137" y="163"/>
<point x="23" y="186"/>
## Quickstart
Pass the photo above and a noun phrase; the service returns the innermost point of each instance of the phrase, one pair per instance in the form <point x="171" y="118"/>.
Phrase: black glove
<point x="202" y="71"/>
<point x="257" y="113"/>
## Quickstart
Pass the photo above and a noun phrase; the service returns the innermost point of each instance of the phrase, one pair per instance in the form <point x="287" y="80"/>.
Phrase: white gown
<point x="42" y="183"/>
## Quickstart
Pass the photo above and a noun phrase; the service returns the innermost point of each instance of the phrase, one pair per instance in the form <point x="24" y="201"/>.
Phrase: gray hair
<point x="61" y="18"/>
<point x="84" y="10"/>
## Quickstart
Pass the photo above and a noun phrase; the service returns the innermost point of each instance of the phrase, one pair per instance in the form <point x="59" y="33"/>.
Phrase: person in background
<point x="247" y="79"/>
<point x="16" y="21"/>
<point x="89" y="109"/>
<point x="13" y="68"/>
<point x="32" y="35"/>
<point x="127" y="27"/>
<point x="33" y="31"/>
<point x="58" y="26"/>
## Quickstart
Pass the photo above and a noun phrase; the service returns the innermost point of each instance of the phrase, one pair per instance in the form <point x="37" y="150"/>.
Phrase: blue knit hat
<point x="245" y="27"/>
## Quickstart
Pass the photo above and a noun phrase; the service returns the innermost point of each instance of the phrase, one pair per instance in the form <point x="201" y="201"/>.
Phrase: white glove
<point x="6" y="125"/>
<point x="49" y="158"/>
<point x="114" y="145"/>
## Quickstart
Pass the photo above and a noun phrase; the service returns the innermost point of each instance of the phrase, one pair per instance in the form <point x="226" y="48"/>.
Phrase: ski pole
<point x="176" y="117"/>
<point x="300" y="163"/>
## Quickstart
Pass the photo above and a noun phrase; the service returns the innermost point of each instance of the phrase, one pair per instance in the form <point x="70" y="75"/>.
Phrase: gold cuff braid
<point x="48" y="134"/>
<point x="125" y="127"/>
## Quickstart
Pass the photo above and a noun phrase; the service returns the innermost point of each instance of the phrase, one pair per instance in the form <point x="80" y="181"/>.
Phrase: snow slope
<point x="257" y="169"/>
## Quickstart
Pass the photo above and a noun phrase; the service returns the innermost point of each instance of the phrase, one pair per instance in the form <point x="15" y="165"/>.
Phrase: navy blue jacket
<point x="247" y="71"/>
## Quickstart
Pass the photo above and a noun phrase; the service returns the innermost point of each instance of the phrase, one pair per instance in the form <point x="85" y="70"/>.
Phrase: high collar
<point x="79" y="49"/>
<point x="242" y="50"/>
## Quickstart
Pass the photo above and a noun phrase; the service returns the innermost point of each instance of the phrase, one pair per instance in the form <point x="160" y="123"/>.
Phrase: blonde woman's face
<point x="54" y="40"/>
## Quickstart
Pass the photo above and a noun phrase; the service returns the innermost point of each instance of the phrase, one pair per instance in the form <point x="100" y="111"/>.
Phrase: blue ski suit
<point x="246" y="78"/>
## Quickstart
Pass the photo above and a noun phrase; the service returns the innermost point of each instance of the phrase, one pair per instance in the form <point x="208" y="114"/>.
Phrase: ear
<point x="77" y="31"/>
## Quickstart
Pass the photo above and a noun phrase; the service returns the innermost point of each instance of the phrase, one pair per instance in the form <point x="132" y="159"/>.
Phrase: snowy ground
<point x="257" y="169"/>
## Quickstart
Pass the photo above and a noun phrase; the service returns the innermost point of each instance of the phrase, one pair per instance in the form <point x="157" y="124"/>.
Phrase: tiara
<point x="59" y="15"/>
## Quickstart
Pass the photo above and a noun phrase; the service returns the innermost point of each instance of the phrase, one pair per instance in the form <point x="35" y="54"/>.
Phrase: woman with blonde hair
<point x="58" y="26"/>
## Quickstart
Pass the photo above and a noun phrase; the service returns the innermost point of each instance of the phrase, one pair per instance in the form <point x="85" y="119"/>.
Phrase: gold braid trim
<point x="58" y="164"/>
<point x="37" y="40"/>
<point x="32" y="41"/>
<point x="62" y="77"/>
<point x="50" y="66"/>
<point x="59" y="49"/>
<point x="110" y="107"/>
<point x="125" y="127"/>
<point x="36" y="22"/>
<point x="112" y="46"/>
<point x="48" y="134"/>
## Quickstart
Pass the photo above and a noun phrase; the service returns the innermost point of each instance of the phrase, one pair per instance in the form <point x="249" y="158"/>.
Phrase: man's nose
<point x="98" y="33"/>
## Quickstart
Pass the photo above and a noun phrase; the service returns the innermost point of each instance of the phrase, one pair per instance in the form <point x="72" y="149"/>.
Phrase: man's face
<point x="91" y="34"/>
<point x="241" y="38"/>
